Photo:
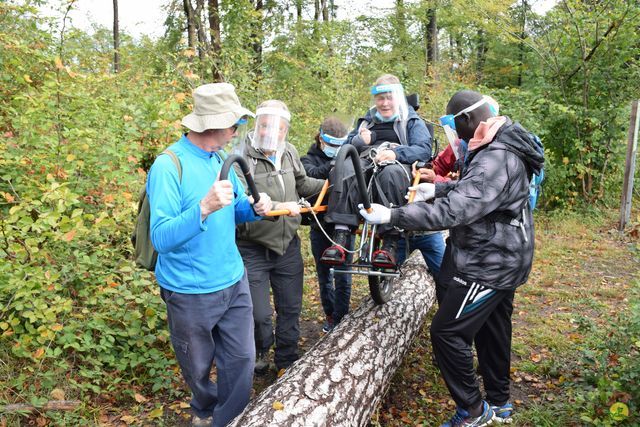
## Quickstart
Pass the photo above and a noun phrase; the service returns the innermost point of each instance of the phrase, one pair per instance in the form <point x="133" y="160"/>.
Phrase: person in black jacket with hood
<point x="491" y="238"/>
<point x="318" y="163"/>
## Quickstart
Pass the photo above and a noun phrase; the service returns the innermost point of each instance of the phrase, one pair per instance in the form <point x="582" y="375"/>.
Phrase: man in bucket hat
<point x="202" y="279"/>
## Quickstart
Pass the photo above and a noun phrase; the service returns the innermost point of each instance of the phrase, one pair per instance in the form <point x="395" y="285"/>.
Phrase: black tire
<point x="381" y="288"/>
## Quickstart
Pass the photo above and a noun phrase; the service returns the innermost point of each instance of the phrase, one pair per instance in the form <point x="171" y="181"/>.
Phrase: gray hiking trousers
<point x="282" y="274"/>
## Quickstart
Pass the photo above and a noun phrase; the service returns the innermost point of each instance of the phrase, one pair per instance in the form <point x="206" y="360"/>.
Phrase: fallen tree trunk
<point x="52" y="405"/>
<point x="341" y="379"/>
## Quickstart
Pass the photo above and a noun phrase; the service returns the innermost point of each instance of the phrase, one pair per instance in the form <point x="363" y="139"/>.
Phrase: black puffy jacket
<point x="317" y="165"/>
<point x="491" y="240"/>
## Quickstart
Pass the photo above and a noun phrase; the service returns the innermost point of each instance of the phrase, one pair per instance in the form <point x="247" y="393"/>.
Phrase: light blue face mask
<point x="332" y="144"/>
<point x="387" y="120"/>
<point x="330" y="151"/>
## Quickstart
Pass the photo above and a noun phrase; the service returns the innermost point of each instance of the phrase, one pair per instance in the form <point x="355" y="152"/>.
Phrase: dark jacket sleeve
<point x="316" y="169"/>
<point x="480" y="192"/>
<point x="305" y="185"/>
<point x="354" y="137"/>
<point x="419" y="140"/>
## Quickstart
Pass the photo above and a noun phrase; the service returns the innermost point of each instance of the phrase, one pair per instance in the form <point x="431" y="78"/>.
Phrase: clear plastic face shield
<point x="449" y="125"/>
<point x="237" y="143"/>
<point x="272" y="125"/>
<point x="390" y="102"/>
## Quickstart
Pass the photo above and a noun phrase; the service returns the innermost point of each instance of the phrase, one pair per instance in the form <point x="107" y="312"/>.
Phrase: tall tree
<point x="316" y="13"/>
<point x="191" y="25"/>
<point x="216" y="41"/>
<point x="116" y="38"/>
<point x="521" y="45"/>
<point x="257" y="37"/>
<point x="325" y="10"/>
<point x="431" y="37"/>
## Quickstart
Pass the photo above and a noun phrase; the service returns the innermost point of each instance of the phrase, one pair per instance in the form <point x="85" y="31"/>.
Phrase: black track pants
<point x="467" y="314"/>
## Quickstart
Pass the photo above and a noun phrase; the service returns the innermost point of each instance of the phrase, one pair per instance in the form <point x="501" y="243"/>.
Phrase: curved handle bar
<point x="351" y="151"/>
<point x="226" y="166"/>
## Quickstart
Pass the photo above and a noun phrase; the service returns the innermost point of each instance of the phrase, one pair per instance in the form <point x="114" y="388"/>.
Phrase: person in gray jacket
<point x="491" y="238"/>
<point x="271" y="249"/>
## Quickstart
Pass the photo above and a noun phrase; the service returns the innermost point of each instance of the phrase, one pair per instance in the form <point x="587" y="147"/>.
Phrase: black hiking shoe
<point x="336" y="254"/>
<point x="386" y="256"/>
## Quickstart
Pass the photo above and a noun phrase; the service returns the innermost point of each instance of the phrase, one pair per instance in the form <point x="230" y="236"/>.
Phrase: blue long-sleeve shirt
<point x="194" y="256"/>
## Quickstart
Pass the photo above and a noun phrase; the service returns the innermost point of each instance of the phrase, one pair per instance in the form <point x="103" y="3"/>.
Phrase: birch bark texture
<point x="341" y="379"/>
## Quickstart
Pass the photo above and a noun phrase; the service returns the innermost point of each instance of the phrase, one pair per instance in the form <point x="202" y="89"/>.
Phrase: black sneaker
<point x="386" y="256"/>
<point x="336" y="254"/>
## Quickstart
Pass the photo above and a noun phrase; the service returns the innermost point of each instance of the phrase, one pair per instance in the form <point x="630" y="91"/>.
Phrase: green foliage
<point x="76" y="140"/>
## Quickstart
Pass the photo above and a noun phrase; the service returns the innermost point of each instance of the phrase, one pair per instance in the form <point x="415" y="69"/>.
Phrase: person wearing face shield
<point x="318" y="163"/>
<point x="271" y="249"/>
<point x="491" y="242"/>
<point x="390" y="137"/>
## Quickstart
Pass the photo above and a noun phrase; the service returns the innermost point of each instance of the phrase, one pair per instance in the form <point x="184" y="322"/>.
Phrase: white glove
<point x="424" y="191"/>
<point x="379" y="214"/>
<point x="263" y="206"/>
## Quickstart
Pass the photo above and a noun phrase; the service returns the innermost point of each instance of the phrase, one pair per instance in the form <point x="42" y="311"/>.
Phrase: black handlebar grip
<point x="352" y="152"/>
<point x="226" y="166"/>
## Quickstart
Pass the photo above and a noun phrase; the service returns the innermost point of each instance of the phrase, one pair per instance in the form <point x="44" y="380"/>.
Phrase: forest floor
<point x="566" y="365"/>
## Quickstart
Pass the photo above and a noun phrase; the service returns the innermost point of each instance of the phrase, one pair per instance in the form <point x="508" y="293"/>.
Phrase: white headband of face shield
<point x="493" y="106"/>
<point x="272" y="111"/>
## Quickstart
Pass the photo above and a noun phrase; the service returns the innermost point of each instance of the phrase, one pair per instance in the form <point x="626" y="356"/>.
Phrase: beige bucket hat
<point x="215" y="106"/>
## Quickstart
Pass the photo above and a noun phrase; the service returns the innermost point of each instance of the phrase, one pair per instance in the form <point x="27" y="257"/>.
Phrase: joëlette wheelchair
<point x="381" y="280"/>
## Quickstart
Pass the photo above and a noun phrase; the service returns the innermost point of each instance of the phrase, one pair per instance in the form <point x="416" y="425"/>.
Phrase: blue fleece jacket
<point x="194" y="256"/>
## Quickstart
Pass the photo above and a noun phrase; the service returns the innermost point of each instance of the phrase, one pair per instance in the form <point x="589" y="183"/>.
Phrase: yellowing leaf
<point x="156" y="413"/>
<point x="128" y="419"/>
<point x="127" y="118"/>
<point x="71" y="158"/>
<point x="59" y="64"/>
<point x="278" y="406"/>
<point x="189" y="53"/>
<point x="565" y="160"/>
<point x="184" y="405"/>
<point x="38" y="353"/>
<point x="180" y="97"/>
<point x="8" y="197"/>
<point x="57" y="394"/>
<point x="27" y="78"/>
<point x="70" y="235"/>
<point x="57" y="327"/>
<point x="191" y="75"/>
<point x="139" y="398"/>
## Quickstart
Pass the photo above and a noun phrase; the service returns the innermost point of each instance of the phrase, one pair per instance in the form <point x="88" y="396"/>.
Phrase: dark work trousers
<point x="336" y="296"/>
<point x="214" y="326"/>
<point x="283" y="274"/>
<point x="467" y="313"/>
<point x="389" y="187"/>
<point x="446" y="272"/>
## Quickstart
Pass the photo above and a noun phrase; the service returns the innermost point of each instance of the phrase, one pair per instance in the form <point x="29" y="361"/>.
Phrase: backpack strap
<point x="176" y="161"/>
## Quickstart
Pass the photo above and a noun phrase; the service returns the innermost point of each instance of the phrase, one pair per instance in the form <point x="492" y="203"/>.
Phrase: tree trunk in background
<point x="341" y="379"/>
<point x="325" y="10"/>
<point x="481" y="53"/>
<point x="257" y="35"/>
<point x="316" y="13"/>
<point x="191" y="26"/>
<point x="523" y="34"/>
<point x="402" y="36"/>
<point x="299" y="11"/>
<point x="116" y="38"/>
<point x="432" y="38"/>
<point x="203" y="40"/>
<point x="216" y="43"/>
